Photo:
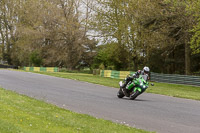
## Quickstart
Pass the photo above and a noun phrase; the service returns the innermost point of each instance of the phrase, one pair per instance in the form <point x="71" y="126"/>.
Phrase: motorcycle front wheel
<point x="120" y="94"/>
<point x="134" y="95"/>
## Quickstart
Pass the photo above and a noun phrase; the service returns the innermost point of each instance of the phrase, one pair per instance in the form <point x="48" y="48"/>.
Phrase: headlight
<point x="120" y="83"/>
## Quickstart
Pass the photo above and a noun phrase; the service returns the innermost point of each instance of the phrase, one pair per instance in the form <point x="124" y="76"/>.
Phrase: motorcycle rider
<point x="145" y="71"/>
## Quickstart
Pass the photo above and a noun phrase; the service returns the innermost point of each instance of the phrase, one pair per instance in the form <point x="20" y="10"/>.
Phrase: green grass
<point x="19" y="113"/>
<point x="85" y="77"/>
<point x="182" y="91"/>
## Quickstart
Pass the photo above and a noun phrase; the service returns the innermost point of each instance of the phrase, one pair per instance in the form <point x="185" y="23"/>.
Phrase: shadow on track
<point x="138" y="100"/>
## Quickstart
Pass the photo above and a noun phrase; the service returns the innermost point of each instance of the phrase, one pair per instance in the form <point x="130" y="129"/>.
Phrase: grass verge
<point x="181" y="91"/>
<point x="19" y="113"/>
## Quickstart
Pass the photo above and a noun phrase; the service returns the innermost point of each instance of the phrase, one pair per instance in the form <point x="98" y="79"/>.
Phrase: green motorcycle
<point x="133" y="88"/>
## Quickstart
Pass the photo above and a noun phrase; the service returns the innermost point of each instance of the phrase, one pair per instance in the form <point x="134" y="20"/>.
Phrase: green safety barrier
<point x="115" y="74"/>
<point x="102" y="73"/>
<point x="157" y="77"/>
<point x="42" y="69"/>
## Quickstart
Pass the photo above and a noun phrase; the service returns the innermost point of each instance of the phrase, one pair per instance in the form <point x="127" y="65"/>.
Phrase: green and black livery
<point x="134" y="88"/>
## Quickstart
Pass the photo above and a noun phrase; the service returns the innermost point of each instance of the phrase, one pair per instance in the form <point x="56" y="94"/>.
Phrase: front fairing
<point x="141" y="83"/>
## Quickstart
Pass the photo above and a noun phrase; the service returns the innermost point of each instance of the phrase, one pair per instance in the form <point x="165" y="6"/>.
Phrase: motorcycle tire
<point x="120" y="94"/>
<point x="134" y="95"/>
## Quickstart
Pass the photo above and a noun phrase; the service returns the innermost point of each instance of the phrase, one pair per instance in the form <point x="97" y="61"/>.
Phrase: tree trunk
<point x="3" y="41"/>
<point x="187" y="58"/>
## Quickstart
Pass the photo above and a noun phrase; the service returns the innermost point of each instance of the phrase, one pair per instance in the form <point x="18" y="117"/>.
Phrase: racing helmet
<point x="146" y="69"/>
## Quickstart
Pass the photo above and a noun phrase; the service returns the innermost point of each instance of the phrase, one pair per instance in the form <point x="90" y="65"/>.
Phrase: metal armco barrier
<point x="42" y="69"/>
<point x="157" y="77"/>
<point x="176" y="79"/>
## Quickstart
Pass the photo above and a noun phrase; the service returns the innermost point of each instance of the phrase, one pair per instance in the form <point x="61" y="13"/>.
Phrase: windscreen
<point x="144" y="77"/>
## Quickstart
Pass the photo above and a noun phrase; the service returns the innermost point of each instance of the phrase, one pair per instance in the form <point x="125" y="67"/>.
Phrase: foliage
<point x="53" y="28"/>
<point x="160" y="33"/>
<point x="35" y="59"/>
<point x="165" y="27"/>
<point x="195" y="40"/>
<point x="111" y="23"/>
<point x="143" y="27"/>
<point x="107" y="56"/>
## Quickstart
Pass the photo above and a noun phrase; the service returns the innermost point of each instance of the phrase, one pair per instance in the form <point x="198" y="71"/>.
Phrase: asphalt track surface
<point x="150" y="112"/>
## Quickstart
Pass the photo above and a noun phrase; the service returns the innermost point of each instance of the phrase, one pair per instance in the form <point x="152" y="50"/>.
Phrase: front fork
<point x="128" y="84"/>
<point x="123" y="89"/>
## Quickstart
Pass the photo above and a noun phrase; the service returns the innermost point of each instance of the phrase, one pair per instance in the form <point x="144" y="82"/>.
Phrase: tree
<point x="54" y="29"/>
<point x="35" y="59"/>
<point x="141" y="27"/>
<point x="7" y="20"/>
<point x="108" y="57"/>
<point x="164" y="26"/>
<point x="113" y="25"/>
<point x="194" y="8"/>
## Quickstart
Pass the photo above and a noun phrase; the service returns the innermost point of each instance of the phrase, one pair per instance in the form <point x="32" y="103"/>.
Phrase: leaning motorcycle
<point x="133" y="88"/>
